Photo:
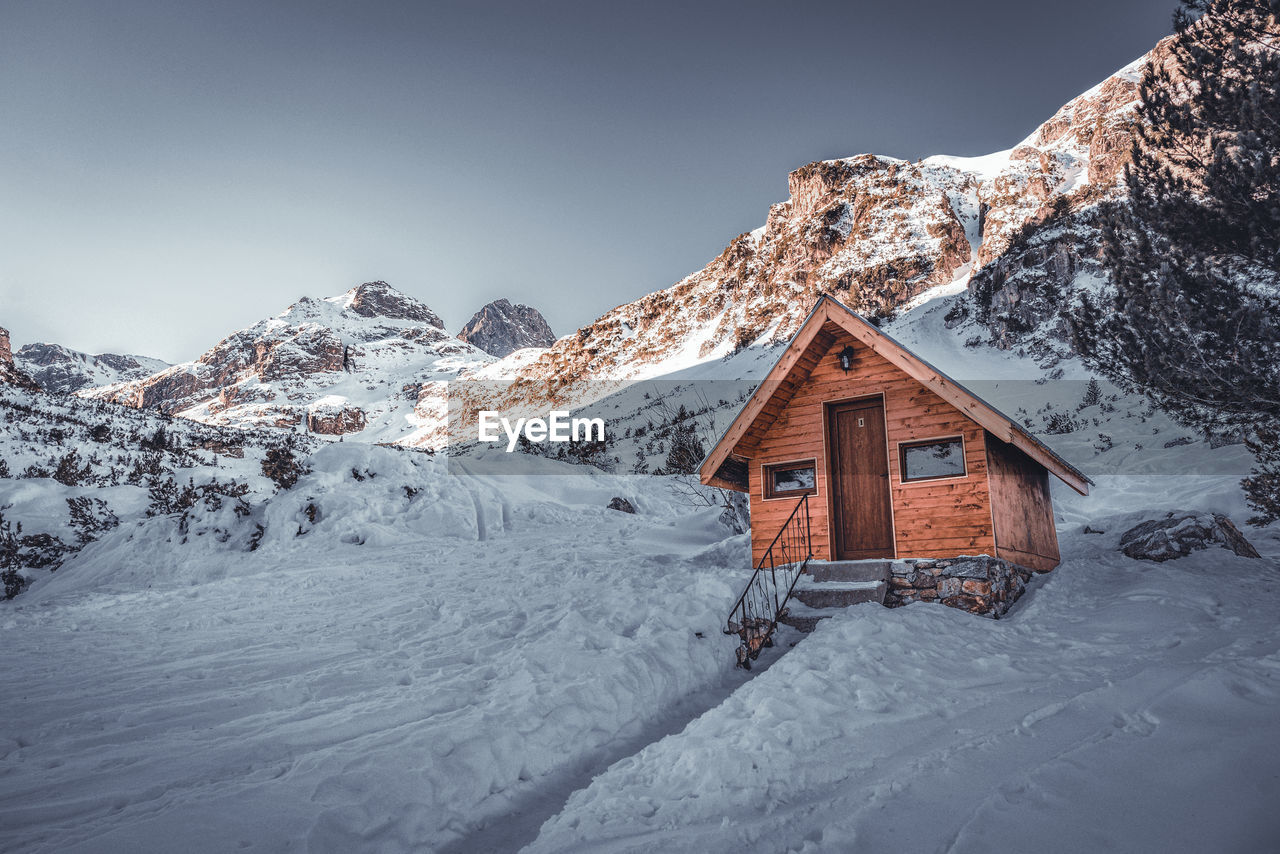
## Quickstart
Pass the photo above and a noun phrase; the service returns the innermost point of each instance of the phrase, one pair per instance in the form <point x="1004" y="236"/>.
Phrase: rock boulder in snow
<point x="622" y="505"/>
<point x="332" y="419"/>
<point x="501" y="328"/>
<point x="1179" y="534"/>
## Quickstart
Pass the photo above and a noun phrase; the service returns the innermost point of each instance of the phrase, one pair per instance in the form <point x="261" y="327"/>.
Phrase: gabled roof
<point x="721" y="468"/>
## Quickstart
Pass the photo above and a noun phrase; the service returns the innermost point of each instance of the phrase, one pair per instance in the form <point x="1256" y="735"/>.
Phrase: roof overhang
<point x="724" y="469"/>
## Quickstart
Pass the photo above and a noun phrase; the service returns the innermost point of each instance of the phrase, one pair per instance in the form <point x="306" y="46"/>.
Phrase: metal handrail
<point x="764" y="601"/>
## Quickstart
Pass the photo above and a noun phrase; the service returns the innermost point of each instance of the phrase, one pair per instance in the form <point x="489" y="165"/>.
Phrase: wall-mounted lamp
<point x="846" y="359"/>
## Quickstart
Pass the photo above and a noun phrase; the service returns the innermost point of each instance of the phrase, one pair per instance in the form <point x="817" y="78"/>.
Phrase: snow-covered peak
<point x="378" y="299"/>
<point x="355" y="363"/>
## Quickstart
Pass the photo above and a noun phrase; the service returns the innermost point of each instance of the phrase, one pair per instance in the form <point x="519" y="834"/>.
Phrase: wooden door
<point x="862" y="523"/>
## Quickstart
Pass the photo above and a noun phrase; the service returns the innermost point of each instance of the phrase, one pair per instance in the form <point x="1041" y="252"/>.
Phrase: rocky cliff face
<point x="63" y="371"/>
<point x="349" y="363"/>
<point x="872" y="230"/>
<point x="882" y="234"/>
<point x="501" y="328"/>
<point x="1043" y="237"/>
<point x="10" y="373"/>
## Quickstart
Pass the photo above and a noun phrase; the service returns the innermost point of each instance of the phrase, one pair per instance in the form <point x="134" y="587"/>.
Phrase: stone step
<point x="805" y="619"/>
<point x="850" y="570"/>
<point x="837" y="594"/>
<point x="803" y="623"/>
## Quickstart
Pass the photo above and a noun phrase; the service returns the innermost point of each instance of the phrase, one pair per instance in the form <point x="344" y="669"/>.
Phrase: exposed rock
<point x="621" y="504"/>
<point x="1041" y="237"/>
<point x="1178" y="534"/>
<point x="10" y="373"/>
<point x="222" y="447"/>
<point x="501" y="328"/>
<point x="62" y="370"/>
<point x="335" y="419"/>
<point x="378" y="299"/>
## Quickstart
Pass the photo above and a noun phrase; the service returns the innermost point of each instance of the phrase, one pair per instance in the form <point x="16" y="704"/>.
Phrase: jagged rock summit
<point x="366" y="361"/>
<point x="501" y="328"/>
<point x="62" y="370"/>
<point x="10" y="373"/>
<point x="378" y="299"/>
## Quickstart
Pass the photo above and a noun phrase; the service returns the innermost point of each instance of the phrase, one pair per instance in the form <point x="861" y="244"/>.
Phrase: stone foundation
<point x="978" y="584"/>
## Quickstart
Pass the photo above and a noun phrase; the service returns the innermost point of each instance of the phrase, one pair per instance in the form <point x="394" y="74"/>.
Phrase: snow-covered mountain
<point x="501" y="328"/>
<point x="62" y="370"/>
<point x="878" y="233"/>
<point x="1005" y="238"/>
<point x="360" y="362"/>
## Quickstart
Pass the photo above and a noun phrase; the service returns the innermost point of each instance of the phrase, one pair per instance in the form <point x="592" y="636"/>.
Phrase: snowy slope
<point x="417" y="656"/>
<point x="414" y="658"/>
<point x="118" y="463"/>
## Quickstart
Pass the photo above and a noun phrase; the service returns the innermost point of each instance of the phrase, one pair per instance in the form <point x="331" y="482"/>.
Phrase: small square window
<point x="932" y="459"/>
<point x="790" y="479"/>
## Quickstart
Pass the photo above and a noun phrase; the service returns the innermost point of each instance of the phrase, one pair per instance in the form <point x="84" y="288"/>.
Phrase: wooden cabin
<point x="897" y="459"/>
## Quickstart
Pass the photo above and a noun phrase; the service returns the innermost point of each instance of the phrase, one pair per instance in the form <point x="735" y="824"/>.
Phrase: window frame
<point x="768" y="493"/>
<point x="908" y="444"/>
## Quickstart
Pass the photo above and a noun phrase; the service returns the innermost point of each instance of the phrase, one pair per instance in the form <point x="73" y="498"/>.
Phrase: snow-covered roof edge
<point x="936" y="380"/>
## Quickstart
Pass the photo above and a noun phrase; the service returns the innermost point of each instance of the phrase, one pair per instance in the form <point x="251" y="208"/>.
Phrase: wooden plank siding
<point x="1021" y="508"/>
<point x="935" y="518"/>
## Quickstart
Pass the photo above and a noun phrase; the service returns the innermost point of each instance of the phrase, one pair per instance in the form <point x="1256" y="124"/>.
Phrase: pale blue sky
<point x="172" y="171"/>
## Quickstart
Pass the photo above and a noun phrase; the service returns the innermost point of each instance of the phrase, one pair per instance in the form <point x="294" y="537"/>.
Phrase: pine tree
<point x="282" y="466"/>
<point x="1192" y="317"/>
<point x="1092" y="394"/>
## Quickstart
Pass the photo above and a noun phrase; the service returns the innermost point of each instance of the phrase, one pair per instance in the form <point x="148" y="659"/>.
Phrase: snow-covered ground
<point x="426" y="661"/>
<point x="1121" y="706"/>
<point x="390" y="676"/>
